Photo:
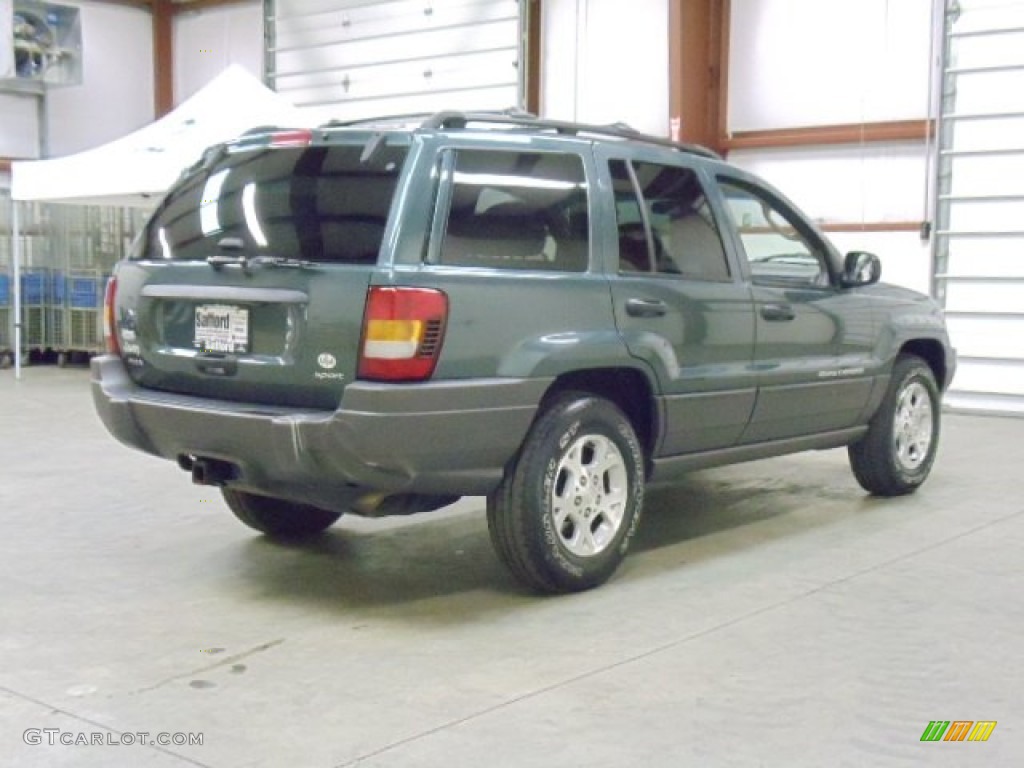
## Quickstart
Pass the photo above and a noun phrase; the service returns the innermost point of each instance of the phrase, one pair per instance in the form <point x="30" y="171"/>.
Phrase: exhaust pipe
<point x="208" y="471"/>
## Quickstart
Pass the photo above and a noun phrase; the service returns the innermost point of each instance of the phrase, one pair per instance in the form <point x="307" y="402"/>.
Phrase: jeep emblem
<point x="327" y="361"/>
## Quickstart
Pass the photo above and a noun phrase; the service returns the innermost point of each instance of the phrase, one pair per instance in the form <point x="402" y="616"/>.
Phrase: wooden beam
<point x="723" y="13"/>
<point x="821" y="135"/>
<point x="698" y="35"/>
<point x="871" y="226"/>
<point x="163" y="57"/>
<point x="534" y="46"/>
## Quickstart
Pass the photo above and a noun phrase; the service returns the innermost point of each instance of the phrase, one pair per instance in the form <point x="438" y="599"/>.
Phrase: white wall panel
<point x="6" y="41"/>
<point x="18" y="126"/>
<point x="116" y="94"/>
<point x="206" y="42"/>
<point x="868" y="183"/>
<point x="606" y="61"/>
<point x="821" y="62"/>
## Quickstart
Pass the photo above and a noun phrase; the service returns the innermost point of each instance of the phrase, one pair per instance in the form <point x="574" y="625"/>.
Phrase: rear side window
<point x="665" y="223"/>
<point x="313" y="203"/>
<point x="517" y="210"/>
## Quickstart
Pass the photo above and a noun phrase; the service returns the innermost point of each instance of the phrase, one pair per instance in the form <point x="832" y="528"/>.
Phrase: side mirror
<point x="861" y="268"/>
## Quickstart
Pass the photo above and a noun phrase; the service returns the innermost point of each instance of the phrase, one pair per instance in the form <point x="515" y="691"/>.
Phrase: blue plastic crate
<point x="57" y="290"/>
<point x="33" y="288"/>
<point x="84" y="292"/>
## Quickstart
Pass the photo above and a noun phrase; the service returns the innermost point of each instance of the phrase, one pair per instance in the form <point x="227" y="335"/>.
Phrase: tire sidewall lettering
<point x="630" y="448"/>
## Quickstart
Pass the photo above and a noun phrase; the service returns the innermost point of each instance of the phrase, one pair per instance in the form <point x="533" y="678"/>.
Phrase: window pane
<point x="316" y="203"/>
<point x="686" y="237"/>
<point x="775" y="248"/>
<point x="634" y="253"/>
<point x="518" y="210"/>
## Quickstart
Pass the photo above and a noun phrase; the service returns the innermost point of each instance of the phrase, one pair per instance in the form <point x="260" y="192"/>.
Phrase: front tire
<point x="278" y="518"/>
<point x="896" y="455"/>
<point x="563" y="516"/>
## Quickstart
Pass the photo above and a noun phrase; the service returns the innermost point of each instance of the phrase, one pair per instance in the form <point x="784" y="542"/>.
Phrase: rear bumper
<point x="450" y="438"/>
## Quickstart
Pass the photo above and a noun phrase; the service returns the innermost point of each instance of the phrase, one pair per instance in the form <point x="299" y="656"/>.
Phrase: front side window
<point x="775" y="248"/>
<point x="664" y="222"/>
<point x="323" y="204"/>
<point x="517" y="210"/>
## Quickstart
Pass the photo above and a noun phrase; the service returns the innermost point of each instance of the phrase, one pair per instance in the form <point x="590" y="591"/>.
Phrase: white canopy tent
<point x="137" y="169"/>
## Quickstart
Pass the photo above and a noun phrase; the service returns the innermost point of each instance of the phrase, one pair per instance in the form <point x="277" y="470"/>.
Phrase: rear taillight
<point x="299" y="138"/>
<point x="109" y="325"/>
<point x="403" y="329"/>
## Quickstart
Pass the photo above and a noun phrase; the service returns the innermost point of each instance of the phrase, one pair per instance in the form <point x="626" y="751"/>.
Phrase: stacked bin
<point x="6" y="300"/>
<point x="82" y="313"/>
<point x="36" y="308"/>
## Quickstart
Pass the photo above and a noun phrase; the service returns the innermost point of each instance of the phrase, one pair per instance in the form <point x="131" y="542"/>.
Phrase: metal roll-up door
<point x="350" y="59"/>
<point x="979" y="243"/>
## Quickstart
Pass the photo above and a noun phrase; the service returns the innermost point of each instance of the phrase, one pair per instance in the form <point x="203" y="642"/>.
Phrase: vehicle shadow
<point x="441" y="567"/>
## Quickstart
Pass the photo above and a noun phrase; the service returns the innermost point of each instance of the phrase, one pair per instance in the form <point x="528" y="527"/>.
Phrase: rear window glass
<point x="314" y="203"/>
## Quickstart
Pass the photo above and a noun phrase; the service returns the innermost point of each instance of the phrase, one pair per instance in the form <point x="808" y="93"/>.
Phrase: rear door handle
<point x="778" y="313"/>
<point x="646" y="308"/>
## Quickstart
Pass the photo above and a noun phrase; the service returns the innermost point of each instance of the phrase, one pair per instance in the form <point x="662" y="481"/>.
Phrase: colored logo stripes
<point x="958" y="730"/>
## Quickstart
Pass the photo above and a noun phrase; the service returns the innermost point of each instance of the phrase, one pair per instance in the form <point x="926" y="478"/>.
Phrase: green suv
<point x="380" y="317"/>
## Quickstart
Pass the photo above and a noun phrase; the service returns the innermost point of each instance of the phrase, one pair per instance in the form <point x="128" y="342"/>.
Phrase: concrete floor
<point x="769" y="615"/>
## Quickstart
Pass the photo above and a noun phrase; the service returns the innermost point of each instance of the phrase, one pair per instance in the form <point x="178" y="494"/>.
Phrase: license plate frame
<point x="222" y="329"/>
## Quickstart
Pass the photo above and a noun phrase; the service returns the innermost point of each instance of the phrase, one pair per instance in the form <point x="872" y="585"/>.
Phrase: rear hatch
<point x="250" y="279"/>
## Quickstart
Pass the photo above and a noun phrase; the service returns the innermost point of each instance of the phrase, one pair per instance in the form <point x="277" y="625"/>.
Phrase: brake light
<point x="403" y="329"/>
<point x="302" y="137"/>
<point x="109" y="326"/>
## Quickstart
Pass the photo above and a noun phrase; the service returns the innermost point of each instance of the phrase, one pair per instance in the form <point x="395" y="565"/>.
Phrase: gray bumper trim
<point x="451" y="437"/>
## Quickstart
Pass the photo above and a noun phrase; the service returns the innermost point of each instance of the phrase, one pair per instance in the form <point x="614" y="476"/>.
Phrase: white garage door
<point x="980" y="240"/>
<point x="349" y="59"/>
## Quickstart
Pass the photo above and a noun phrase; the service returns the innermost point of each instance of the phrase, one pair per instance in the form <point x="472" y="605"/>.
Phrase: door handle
<point x="778" y="313"/>
<point x="646" y="308"/>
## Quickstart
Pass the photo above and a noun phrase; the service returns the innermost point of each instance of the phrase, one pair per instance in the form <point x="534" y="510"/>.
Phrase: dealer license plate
<point x="222" y="328"/>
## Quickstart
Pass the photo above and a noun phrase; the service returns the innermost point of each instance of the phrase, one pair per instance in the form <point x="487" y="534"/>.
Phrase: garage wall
<point x="606" y="61"/>
<point x="207" y="41"/>
<point x="798" y="63"/>
<point x="808" y="62"/>
<point x="349" y="59"/>
<point x="115" y="97"/>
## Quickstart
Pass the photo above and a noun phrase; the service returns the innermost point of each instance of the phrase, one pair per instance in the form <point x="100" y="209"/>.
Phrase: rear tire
<point x="278" y="518"/>
<point x="896" y="455"/>
<point x="563" y="516"/>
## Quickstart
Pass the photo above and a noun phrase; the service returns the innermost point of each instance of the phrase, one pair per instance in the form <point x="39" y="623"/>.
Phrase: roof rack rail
<point x="380" y="119"/>
<point x="454" y="119"/>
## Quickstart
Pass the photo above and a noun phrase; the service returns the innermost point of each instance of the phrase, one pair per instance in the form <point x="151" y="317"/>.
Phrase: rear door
<point x="814" y="340"/>
<point x="679" y="302"/>
<point x="251" y="278"/>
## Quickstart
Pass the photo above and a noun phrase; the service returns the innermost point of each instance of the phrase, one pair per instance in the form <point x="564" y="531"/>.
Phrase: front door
<point x="813" y="339"/>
